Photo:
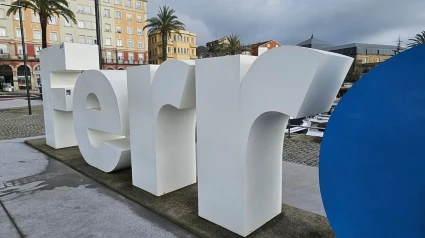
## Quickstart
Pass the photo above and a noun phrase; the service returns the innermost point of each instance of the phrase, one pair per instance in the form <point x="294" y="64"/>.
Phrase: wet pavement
<point x="42" y="197"/>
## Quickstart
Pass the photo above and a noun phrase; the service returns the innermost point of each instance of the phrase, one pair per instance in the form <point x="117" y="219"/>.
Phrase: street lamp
<point x="99" y="43"/>
<point x="23" y="51"/>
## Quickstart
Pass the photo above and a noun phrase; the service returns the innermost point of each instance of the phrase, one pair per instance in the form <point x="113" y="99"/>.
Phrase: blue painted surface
<point x="372" y="158"/>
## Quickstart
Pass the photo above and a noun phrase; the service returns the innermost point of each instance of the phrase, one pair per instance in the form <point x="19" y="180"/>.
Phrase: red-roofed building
<point x="261" y="47"/>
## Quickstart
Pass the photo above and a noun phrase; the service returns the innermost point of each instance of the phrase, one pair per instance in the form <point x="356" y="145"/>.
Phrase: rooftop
<point x="363" y="45"/>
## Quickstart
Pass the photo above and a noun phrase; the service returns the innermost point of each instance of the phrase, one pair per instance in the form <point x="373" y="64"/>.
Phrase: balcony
<point x="5" y="56"/>
<point x="193" y="45"/>
<point x="193" y="57"/>
<point x="121" y="61"/>
<point x="19" y="57"/>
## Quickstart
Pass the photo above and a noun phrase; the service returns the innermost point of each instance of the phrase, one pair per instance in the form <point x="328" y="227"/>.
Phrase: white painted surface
<point x="162" y="119"/>
<point x="101" y="119"/>
<point x="60" y="67"/>
<point x="261" y="50"/>
<point x="242" y="109"/>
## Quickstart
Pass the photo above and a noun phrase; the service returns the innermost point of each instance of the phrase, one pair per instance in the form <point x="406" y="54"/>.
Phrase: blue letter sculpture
<point x="372" y="159"/>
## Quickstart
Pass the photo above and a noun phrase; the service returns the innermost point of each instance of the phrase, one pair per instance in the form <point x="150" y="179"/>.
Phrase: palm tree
<point x="234" y="47"/>
<point x="419" y="39"/>
<point x="46" y="9"/>
<point x="165" y="22"/>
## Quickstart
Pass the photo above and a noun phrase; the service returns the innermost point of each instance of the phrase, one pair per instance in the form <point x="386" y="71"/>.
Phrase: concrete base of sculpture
<point x="181" y="206"/>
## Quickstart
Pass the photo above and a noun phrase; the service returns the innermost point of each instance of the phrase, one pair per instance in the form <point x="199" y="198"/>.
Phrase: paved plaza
<point x="36" y="190"/>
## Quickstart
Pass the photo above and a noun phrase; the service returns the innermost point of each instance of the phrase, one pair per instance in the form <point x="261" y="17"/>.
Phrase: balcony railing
<point x="193" y="45"/>
<point x="121" y="61"/>
<point x="4" y="56"/>
<point x="19" y="57"/>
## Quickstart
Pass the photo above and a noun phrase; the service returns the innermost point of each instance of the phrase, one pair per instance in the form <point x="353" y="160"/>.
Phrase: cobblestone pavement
<point x="301" y="151"/>
<point x="16" y="123"/>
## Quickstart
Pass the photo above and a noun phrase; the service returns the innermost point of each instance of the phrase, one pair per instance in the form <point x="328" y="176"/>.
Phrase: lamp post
<point x="24" y="52"/>
<point x="99" y="44"/>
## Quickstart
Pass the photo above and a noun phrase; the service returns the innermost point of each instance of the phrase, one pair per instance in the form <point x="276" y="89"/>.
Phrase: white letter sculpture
<point x="60" y="67"/>
<point x="162" y="120"/>
<point x="101" y="119"/>
<point x="243" y="106"/>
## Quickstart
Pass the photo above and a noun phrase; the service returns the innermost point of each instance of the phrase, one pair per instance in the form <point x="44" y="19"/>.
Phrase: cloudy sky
<point x="293" y="21"/>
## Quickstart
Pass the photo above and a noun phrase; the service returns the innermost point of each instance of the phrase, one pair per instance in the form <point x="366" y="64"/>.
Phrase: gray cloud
<point x="292" y="21"/>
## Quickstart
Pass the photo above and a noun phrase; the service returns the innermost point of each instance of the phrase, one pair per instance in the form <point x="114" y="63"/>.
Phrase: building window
<point x="138" y="5"/>
<point x="139" y="31"/>
<point x="175" y="38"/>
<point x="118" y="2"/>
<point x="378" y="52"/>
<point x="168" y="50"/>
<point x="139" y="18"/>
<point x="37" y="50"/>
<point x="53" y="36"/>
<point x="118" y="14"/>
<point x="175" y="51"/>
<point x="80" y="24"/>
<point x="130" y="44"/>
<point x="52" y="20"/>
<point x="35" y="18"/>
<point x="18" y="32"/>
<point x="108" y="27"/>
<point x="2" y="31"/>
<point x="2" y="13"/>
<point x="130" y="58"/>
<point x="128" y="16"/>
<point x="108" y="41"/>
<point x="80" y="8"/>
<point x="89" y="40"/>
<point x="130" y="30"/>
<point x="141" y="58"/>
<point x="184" y="51"/>
<point x="193" y="52"/>
<point x="119" y="29"/>
<point x="193" y="40"/>
<point x="105" y="0"/>
<point x="3" y="49"/>
<point x="107" y="13"/>
<point x="17" y="16"/>
<point x="128" y="3"/>
<point x="68" y="37"/>
<point x="119" y="42"/>
<point x="82" y="40"/>
<point x="93" y="25"/>
<point x="140" y="45"/>
<point x="37" y="34"/>
<point x="67" y="23"/>
<point x="88" y="25"/>
<point x="87" y="9"/>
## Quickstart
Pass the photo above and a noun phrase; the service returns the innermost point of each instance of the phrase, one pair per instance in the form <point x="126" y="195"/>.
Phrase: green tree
<point x="419" y="39"/>
<point x="234" y="47"/>
<point x="46" y="9"/>
<point x="165" y="22"/>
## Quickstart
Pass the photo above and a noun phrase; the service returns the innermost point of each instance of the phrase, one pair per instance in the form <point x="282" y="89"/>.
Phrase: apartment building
<point x="179" y="46"/>
<point x="124" y="40"/>
<point x="122" y="37"/>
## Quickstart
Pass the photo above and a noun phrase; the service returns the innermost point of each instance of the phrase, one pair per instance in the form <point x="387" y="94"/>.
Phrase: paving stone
<point x="16" y="123"/>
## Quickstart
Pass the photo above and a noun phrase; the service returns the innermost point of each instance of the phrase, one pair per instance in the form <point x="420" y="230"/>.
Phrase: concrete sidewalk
<point x="45" y="198"/>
